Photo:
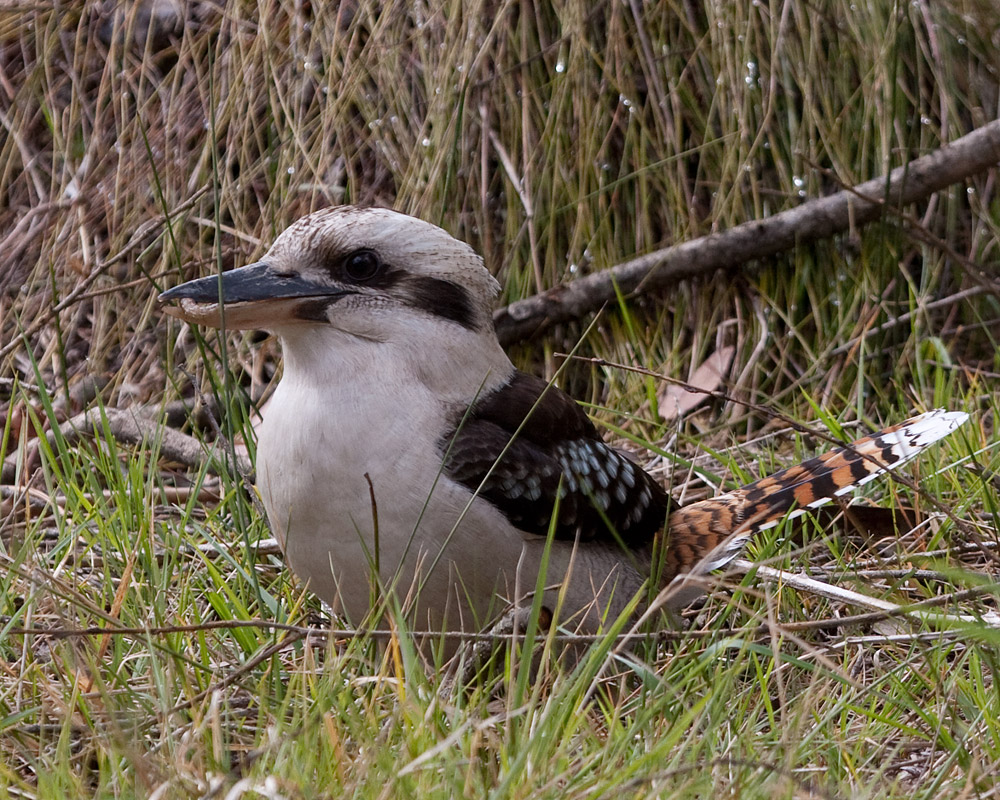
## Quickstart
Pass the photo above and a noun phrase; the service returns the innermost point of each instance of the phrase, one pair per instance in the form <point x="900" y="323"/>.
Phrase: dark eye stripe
<point x="442" y="299"/>
<point x="365" y="269"/>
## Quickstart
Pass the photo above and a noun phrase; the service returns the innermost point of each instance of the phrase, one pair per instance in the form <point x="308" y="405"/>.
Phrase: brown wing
<point x="527" y="445"/>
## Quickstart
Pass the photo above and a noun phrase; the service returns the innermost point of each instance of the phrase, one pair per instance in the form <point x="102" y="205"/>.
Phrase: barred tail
<point x="707" y="535"/>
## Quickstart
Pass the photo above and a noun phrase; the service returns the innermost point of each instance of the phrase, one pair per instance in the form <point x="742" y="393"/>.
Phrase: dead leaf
<point x="675" y="400"/>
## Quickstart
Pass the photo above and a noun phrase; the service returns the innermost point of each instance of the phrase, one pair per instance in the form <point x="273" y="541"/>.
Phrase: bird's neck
<point x="451" y="366"/>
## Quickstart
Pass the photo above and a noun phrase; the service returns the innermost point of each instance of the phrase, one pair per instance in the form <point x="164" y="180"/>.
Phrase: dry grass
<point x="558" y="141"/>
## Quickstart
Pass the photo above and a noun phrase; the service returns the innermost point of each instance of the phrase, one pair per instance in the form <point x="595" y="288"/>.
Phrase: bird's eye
<point x="362" y="265"/>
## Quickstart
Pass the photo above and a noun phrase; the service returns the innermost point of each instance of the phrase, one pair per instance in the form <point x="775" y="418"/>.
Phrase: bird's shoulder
<point x="528" y="448"/>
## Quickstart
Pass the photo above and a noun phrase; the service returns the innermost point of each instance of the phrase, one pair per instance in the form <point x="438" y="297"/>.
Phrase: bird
<point x="402" y="455"/>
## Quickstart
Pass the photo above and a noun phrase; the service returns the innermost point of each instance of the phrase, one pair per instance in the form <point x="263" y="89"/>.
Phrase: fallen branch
<point x="132" y="428"/>
<point x="813" y="220"/>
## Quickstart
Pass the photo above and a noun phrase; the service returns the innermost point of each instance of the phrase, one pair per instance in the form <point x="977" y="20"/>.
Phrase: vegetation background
<point x="143" y="144"/>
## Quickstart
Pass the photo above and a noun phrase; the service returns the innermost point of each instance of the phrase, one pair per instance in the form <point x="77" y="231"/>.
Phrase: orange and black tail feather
<point x="707" y="535"/>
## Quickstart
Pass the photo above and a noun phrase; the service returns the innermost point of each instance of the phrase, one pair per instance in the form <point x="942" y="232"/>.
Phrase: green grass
<point x="558" y="141"/>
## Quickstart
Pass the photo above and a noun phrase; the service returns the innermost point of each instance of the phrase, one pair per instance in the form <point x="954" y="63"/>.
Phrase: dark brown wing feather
<point x="527" y="443"/>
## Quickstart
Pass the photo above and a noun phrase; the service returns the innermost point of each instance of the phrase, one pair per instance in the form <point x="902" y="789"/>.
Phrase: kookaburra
<point x="403" y="452"/>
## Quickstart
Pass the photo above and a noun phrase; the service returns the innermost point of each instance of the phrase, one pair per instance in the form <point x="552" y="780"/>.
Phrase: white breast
<point x="324" y="430"/>
<point x="347" y="409"/>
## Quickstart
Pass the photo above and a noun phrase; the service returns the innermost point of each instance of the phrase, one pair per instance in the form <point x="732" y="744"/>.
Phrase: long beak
<point x="254" y="296"/>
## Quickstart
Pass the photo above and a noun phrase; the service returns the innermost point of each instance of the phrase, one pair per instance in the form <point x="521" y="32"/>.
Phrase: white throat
<point x="349" y="410"/>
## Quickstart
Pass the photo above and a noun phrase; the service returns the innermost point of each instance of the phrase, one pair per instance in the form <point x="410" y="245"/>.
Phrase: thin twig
<point x="80" y="290"/>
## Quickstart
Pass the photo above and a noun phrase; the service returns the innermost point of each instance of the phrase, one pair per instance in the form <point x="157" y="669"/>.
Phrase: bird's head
<point x="370" y="273"/>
